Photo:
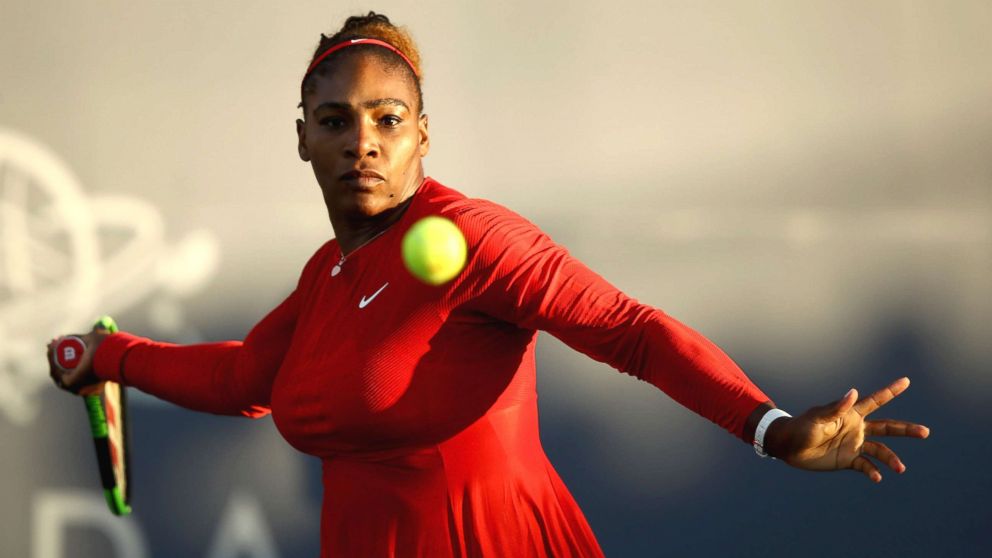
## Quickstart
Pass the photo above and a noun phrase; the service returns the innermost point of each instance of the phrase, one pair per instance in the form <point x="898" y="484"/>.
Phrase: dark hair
<point x="370" y="26"/>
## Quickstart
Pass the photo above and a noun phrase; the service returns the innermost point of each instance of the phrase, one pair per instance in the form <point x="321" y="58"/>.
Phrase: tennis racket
<point x="106" y="407"/>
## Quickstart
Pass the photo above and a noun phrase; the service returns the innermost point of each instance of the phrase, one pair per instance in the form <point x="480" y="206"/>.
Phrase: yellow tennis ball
<point x="434" y="250"/>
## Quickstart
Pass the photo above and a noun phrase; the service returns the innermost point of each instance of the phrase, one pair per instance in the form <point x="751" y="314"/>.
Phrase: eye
<point x="334" y="122"/>
<point x="391" y="120"/>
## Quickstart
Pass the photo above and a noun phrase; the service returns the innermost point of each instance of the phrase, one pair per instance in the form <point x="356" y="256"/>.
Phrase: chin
<point x="367" y="205"/>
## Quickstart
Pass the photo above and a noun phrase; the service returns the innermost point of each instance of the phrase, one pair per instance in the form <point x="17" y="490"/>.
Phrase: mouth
<point x="363" y="179"/>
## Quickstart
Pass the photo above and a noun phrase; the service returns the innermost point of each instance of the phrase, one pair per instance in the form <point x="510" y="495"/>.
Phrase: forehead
<point x="358" y="78"/>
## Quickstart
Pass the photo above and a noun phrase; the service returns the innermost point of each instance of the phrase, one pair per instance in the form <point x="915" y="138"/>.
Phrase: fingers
<point x="888" y="427"/>
<point x="831" y="411"/>
<point x="881" y="452"/>
<point x="75" y="380"/>
<point x="861" y="463"/>
<point x="869" y="404"/>
<point x="70" y="381"/>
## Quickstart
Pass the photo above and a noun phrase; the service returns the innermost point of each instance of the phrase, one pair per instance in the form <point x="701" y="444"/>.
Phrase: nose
<point x="364" y="142"/>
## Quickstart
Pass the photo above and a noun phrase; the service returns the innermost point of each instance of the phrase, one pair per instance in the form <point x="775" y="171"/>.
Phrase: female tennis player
<point x="420" y="401"/>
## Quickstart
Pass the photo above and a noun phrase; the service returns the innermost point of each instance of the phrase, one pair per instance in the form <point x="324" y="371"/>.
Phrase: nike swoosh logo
<point x="365" y="301"/>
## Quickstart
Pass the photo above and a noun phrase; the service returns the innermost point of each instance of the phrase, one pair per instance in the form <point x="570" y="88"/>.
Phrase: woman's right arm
<point x="227" y="378"/>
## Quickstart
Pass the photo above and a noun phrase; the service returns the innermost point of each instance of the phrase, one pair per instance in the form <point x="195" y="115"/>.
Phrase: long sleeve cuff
<point x="108" y="362"/>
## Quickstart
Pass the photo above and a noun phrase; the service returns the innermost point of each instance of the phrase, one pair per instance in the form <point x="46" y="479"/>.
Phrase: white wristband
<point x="763" y="424"/>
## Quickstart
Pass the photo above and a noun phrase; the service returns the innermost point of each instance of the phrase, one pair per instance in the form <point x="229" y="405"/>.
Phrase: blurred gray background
<point x="807" y="183"/>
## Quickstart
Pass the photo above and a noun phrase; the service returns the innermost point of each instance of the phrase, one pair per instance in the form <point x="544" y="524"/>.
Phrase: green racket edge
<point x="98" y="427"/>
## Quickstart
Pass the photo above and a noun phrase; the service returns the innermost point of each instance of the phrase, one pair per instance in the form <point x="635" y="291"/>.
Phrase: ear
<point x="301" y="136"/>
<point x="425" y="137"/>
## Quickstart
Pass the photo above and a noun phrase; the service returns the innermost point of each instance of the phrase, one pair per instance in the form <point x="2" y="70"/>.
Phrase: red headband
<point x="353" y="42"/>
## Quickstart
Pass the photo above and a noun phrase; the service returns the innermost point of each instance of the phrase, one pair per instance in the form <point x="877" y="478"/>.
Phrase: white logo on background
<point x="67" y="257"/>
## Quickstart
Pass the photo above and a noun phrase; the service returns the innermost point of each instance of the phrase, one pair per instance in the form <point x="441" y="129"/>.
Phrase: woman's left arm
<point x="519" y="275"/>
<point x="533" y="282"/>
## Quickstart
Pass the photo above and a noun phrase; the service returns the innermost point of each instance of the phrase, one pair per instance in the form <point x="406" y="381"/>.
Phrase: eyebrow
<point x="389" y="101"/>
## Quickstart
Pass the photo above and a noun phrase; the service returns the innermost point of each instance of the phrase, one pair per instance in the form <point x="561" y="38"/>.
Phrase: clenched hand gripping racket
<point x="106" y="406"/>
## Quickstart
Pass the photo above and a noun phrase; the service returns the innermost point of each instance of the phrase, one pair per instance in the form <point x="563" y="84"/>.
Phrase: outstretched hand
<point x="833" y="436"/>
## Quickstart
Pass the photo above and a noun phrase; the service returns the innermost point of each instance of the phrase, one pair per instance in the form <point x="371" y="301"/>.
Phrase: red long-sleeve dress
<point x="420" y="401"/>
